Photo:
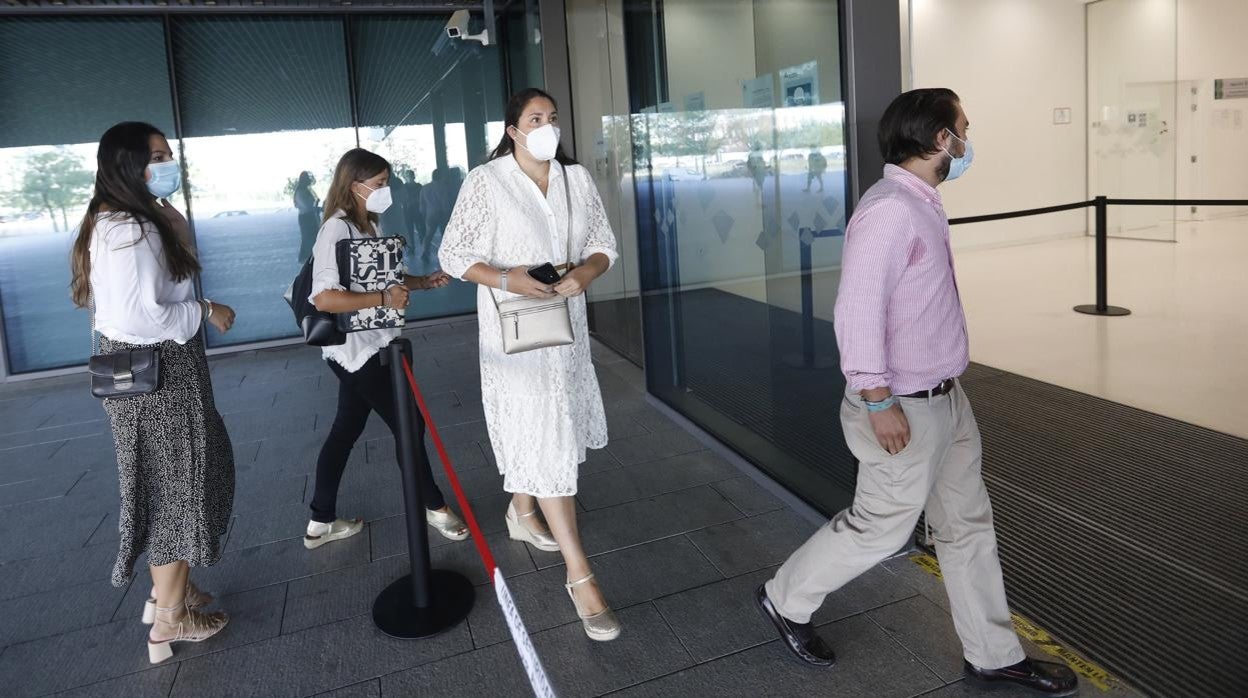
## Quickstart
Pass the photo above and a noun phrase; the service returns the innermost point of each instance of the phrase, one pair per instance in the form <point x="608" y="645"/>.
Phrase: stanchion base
<point x="1109" y="311"/>
<point x="819" y="363"/>
<point x="395" y="615"/>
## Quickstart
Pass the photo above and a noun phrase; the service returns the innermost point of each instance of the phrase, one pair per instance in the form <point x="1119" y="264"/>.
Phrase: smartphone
<point x="545" y="273"/>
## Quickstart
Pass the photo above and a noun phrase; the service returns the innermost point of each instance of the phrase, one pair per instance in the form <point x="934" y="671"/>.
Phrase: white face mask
<point x="542" y="142"/>
<point x="378" y="199"/>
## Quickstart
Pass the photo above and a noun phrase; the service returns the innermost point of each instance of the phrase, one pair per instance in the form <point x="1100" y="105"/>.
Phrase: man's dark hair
<point x="911" y="123"/>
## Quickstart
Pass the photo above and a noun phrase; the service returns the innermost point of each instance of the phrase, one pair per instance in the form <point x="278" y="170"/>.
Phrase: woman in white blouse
<point x="357" y="197"/>
<point x="134" y="265"/>
<point x="542" y="407"/>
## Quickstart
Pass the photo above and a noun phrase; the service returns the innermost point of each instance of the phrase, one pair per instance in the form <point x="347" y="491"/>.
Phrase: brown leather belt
<point x="945" y="387"/>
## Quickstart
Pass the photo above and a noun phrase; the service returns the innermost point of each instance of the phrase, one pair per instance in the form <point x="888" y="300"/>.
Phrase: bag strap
<point x="95" y="338"/>
<point x="567" y="195"/>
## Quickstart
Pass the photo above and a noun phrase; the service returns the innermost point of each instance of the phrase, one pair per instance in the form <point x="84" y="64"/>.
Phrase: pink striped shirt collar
<point x="913" y="182"/>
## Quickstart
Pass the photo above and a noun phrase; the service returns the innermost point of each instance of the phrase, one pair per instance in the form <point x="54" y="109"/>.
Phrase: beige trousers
<point x="940" y="471"/>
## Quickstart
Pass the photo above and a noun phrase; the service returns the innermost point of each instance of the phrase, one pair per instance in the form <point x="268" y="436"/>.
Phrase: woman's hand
<point x="222" y="317"/>
<point x="437" y="279"/>
<point x="396" y="297"/>
<point x="519" y="281"/>
<point x="575" y="282"/>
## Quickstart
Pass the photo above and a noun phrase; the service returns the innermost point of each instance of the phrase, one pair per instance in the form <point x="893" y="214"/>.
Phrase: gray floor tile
<point x="750" y="544"/>
<point x="291" y="454"/>
<point x="153" y="682"/>
<point x="56" y="571"/>
<point x="929" y="586"/>
<point x="540" y="598"/>
<point x="492" y="671"/>
<point x="88" y="453"/>
<point x="721" y="618"/>
<point x="962" y="689"/>
<point x="748" y="496"/>
<point x="117" y="649"/>
<point x="269" y="492"/>
<point x="366" y="689"/>
<point x="58" y="611"/>
<point x="53" y="434"/>
<point x="264" y="526"/>
<point x="652" y="570"/>
<point x="46" y="527"/>
<point x="20" y="414"/>
<point x="338" y="595"/>
<point x="869" y="663"/>
<point x="23" y="463"/>
<point x="254" y="425"/>
<point x="262" y="566"/>
<point x="652" y="478"/>
<point x="578" y="666"/>
<point x="653" y="446"/>
<point x="927" y="631"/>
<point x="511" y="557"/>
<point x="299" y="664"/>
<point x="624" y="426"/>
<point x="36" y="490"/>
<point x="603" y="530"/>
<point x="472" y="432"/>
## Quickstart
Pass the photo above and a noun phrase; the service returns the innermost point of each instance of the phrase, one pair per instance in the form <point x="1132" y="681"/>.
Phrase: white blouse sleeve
<point x="469" y="236"/>
<point x="599" y="238"/>
<point x="136" y="272"/>
<point x="325" y="258"/>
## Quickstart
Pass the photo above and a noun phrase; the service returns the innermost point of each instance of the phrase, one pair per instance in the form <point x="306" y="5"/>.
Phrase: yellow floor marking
<point x="1089" y="670"/>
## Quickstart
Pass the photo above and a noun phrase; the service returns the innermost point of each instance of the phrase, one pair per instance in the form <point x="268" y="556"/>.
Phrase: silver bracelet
<point x="502" y="281"/>
<point x="209" y="314"/>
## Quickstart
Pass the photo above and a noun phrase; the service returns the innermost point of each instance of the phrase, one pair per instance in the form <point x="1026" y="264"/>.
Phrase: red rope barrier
<point x="478" y="538"/>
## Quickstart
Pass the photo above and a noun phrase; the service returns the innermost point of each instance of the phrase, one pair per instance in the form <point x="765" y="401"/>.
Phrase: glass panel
<point x="116" y="72"/>
<point x="739" y="174"/>
<point x="264" y="100"/>
<point x="434" y="119"/>
<point x="604" y="146"/>
<point x="1133" y="94"/>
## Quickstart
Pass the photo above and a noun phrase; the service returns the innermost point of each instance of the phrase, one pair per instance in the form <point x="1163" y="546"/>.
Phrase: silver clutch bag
<point x="537" y="323"/>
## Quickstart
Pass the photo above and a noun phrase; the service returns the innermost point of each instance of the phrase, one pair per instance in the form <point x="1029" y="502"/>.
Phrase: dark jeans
<point x="367" y="390"/>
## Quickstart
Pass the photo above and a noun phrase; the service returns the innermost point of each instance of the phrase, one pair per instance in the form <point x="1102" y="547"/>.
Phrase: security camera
<point x="457" y="28"/>
<point x="458" y="25"/>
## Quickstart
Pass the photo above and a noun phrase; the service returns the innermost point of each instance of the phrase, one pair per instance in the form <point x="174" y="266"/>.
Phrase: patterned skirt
<point x="175" y="464"/>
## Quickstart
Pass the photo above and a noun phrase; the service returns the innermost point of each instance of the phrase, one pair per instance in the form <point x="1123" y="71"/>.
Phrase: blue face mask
<point x="166" y="178"/>
<point x="959" y="166"/>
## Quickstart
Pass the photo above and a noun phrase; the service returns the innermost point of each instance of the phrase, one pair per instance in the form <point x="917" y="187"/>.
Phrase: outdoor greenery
<point x="55" y="181"/>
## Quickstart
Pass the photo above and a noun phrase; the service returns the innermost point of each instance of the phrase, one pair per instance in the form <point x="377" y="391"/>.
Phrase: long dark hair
<point x="123" y="156"/>
<point x="515" y="109"/>
<point x="356" y="165"/>
<point x="910" y="125"/>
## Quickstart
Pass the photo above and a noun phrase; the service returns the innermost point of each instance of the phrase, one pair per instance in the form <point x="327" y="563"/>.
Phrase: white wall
<point x="710" y="49"/>
<point x="1212" y="44"/>
<point x="1012" y="62"/>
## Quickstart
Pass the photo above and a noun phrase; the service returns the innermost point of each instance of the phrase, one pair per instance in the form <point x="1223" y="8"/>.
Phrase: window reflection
<point x="43" y="193"/>
<point x="249" y="228"/>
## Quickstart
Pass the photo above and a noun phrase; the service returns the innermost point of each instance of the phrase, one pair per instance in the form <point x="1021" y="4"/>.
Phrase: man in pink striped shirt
<point x="903" y="344"/>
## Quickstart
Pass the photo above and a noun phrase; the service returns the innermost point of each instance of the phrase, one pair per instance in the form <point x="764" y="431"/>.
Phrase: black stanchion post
<point x="427" y="601"/>
<point x="1102" y="306"/>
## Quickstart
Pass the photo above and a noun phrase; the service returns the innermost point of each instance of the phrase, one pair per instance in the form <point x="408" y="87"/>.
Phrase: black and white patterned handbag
<point x="370" y="265"/>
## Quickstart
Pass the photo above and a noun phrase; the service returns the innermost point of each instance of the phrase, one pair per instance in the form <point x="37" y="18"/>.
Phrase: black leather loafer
<point x="800" y="637"/>
<point x="1043" y="677"/>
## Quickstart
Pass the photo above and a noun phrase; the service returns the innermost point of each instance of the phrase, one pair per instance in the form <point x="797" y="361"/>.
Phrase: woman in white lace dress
<point x="543" y="407"/>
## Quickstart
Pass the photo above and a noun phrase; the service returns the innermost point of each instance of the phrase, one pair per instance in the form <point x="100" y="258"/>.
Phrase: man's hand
<point x="891" y="428"/>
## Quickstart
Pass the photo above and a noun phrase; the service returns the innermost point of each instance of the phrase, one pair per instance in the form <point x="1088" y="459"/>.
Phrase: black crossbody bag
<point x="121" y="374"/>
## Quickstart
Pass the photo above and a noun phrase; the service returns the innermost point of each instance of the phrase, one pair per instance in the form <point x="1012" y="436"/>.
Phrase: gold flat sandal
<point x="602" y="626"/>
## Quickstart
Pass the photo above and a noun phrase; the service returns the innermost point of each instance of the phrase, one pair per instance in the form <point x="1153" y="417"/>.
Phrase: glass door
<point x="729" y="145"/>
<point x="1133" y="97"/>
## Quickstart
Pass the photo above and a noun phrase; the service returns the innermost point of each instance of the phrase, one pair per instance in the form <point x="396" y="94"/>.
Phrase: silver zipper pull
<point x="515" y="321"/>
